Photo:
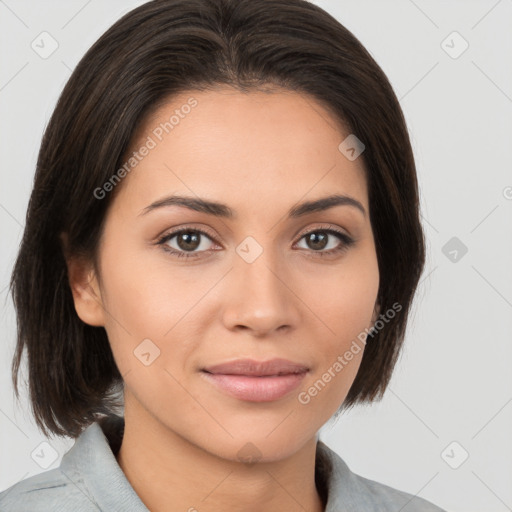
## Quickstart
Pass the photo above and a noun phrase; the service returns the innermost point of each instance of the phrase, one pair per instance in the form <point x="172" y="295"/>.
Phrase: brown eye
<point x="317" y="240"/>
<point x="186" y="242"/>
<point x="320" y="239"/>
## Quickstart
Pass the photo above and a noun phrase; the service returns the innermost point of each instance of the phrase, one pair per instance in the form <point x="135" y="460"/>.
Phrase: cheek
<point x="148" y="298"/>
<point x="132" y="297"/>
<point x="344" y="308"/>
<point x="346" y="298"/>
<point x="140" y="291"/>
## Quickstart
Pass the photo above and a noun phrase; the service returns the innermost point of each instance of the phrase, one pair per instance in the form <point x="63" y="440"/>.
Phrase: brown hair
<point x="165" y="47"/>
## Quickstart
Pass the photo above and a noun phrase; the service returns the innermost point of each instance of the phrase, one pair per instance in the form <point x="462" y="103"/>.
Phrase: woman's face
<point x="242" y="281"/>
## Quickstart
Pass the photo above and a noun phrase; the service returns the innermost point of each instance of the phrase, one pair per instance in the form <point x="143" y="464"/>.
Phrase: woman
<point x="224" y="229"/>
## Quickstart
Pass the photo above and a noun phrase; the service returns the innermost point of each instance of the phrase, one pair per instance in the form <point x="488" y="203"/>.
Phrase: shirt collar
<point x="91" y="463"/>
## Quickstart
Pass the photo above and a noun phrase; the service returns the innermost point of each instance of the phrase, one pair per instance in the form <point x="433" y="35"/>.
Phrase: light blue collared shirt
<point x="89" y="479"/>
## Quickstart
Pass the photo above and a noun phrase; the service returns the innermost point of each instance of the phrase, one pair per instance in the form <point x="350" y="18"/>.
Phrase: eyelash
<point x="347" y="241"/>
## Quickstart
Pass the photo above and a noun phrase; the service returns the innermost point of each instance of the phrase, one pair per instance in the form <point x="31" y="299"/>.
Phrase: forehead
<point x="246" y="149"/>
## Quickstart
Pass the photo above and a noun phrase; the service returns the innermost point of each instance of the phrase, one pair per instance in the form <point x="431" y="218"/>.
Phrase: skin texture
<point x="260" y="153"/>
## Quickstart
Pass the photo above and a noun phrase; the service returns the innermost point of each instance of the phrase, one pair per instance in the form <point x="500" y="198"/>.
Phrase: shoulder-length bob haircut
<point x="160" y="49"/>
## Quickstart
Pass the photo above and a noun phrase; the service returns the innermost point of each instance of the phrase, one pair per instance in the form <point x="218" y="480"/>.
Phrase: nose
<point x="259" y="297"/>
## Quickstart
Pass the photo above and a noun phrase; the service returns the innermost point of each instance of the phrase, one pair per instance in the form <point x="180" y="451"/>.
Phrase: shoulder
<point x="391" y="497"/>
<point x="73" y="486"/>
<point x="353" y="492"/>
<point x="50" y="490"/>
<point x="89" y="479"/>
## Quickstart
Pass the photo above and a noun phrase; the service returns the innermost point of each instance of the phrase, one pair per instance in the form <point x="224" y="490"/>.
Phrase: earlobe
<point x="86" y="292"/>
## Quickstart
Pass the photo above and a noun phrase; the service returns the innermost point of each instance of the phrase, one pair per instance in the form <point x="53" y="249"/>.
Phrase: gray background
<point x="453" y="383"/>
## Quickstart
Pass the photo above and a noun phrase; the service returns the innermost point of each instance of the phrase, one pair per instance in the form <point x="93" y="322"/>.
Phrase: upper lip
<point x="257" y="368"/>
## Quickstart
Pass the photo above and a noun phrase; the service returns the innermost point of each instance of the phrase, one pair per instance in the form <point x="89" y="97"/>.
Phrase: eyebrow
<point x="224" y="211"/>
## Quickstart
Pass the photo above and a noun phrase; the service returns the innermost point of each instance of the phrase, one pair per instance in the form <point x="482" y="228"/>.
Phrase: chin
<point x="257" y="445"/>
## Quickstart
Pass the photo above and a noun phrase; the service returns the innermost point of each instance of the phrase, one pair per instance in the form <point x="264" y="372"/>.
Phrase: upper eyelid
<point x="205" y="231"/>
<point x="201" y="230"/>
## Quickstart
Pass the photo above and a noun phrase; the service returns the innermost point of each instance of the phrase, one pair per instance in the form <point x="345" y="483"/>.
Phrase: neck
<point x="164" y="468"/>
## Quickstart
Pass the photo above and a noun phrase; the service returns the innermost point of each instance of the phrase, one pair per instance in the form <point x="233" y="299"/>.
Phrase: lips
<point x="256" y="381"/>
<point x="252" y="368"/>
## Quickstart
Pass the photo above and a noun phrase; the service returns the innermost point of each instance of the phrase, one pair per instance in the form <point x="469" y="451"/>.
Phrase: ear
<point x="85" y="289"/>
<point x="376" y="313"/>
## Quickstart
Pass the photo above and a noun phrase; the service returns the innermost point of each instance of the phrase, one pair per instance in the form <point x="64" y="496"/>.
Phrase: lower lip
<point x="256" y="389"/>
